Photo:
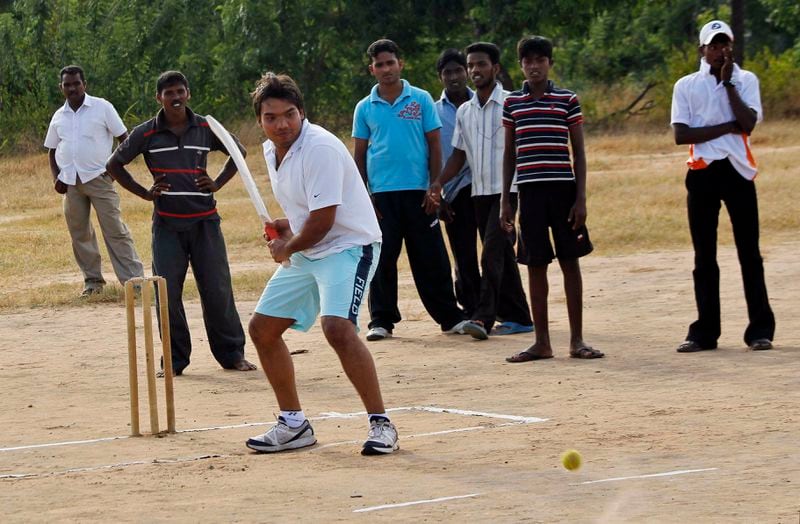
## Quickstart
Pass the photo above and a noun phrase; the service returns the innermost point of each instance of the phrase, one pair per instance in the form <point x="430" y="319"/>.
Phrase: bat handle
<point x="272" y="234"/>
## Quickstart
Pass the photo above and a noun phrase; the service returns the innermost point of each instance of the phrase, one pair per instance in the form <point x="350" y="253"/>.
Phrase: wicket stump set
<point x="147" y="285"/>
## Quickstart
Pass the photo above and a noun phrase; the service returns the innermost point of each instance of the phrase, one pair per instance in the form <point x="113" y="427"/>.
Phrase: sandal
<point x="586" y="352"/>
<point x="526" y="356"/>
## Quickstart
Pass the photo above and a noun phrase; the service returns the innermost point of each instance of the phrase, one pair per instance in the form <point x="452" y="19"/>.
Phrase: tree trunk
<point x="737" y="24"/>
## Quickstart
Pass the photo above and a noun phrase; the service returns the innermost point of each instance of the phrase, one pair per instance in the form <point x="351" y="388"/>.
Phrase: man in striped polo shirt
<point x="186" y="227"/>
<point x="541" y="121"/>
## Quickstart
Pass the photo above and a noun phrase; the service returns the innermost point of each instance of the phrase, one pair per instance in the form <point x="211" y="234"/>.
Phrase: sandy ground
<point x="666" y="437"/>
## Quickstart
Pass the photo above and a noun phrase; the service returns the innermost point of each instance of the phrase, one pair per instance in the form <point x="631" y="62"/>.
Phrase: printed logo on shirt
<point x="412" y="111"/>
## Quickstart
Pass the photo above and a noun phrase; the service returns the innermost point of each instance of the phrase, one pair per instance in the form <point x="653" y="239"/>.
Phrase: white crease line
<point x="414" y="503"/>
<point x="120" y="465"/>
<point x="418" y="435"/>
<point x="159" y="461"/>
<point x="652" y="475"/>
<point x="323" y="416"/>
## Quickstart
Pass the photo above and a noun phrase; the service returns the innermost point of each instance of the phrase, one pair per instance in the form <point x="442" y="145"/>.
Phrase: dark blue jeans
<point x="202" y="246"/>
<point x="708" y="188"/>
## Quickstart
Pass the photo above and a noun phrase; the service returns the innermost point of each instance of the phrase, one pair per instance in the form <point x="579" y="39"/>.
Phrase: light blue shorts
<point x="335" y="286"/>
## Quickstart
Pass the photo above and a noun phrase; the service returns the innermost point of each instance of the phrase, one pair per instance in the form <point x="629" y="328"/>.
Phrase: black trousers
<point x="462" y="233"/>
<point x="202" y="246"/>
<point x="403" y="219"/>
<point x="502" y="295"/>
<point x="707" y="189"/>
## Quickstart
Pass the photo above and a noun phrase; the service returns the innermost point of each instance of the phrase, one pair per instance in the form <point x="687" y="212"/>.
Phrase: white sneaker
<point x="382" y="438"/>
<point x="281" y="437"/>
<point x="378" y="333"/>
<point x="458" y="329"/>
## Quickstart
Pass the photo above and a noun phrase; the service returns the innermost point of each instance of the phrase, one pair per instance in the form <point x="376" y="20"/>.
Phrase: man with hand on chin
<point x="186" y="227"/>
<point x="714" y="110"/>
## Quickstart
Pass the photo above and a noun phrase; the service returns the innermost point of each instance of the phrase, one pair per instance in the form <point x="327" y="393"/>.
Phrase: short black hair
<point x="168" y="78"/>
<point x="485" y="47"/>
<point x="384" y="45"/>
<point x="280" y="86"/>
<point x="534" y="45"/>
<point x="71" y="70"/>
<point x="450" y="55"/>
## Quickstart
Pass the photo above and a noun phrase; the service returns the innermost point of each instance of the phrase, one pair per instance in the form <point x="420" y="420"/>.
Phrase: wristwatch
<point x="729" y="83"/>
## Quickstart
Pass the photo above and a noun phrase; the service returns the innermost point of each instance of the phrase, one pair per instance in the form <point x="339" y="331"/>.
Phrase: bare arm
<point x="509" y="167"/>
<point x="118" y="172"/>
<point x="434" y="154"/>
<point x="696" y="135"/>
<point x="745" y="117"/>
<point x="360" y="156"/>
<point x="577" y="214"/>
<point x="451" y="169"/>
<point x="319" y="222"/>
<point x="58" y="185"/>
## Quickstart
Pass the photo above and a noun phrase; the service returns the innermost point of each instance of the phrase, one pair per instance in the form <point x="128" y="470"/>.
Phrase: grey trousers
<point x="78" y="201"/>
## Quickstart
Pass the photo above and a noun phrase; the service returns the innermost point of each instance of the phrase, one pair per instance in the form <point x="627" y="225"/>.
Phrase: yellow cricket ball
<point x="571" y="459"/>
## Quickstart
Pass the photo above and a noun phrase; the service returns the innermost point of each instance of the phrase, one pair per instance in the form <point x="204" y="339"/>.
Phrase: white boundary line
<point x="322" y="416"/>
<point x="652" y="475"/>
<point x="414" y="503"/>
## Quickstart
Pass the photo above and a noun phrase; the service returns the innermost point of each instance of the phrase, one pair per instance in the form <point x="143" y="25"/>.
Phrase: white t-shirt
<point x="83" y="139"/>
<point x="479" y="132"/>
<point x="699" y="101"/>
<point x="318" y="172"/>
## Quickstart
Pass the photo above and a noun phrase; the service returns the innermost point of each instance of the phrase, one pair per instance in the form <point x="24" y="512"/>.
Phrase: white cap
<point x="712" y="29"/>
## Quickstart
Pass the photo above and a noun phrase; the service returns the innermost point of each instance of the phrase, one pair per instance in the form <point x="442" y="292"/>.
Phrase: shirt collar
<point x="496" y="96"/>
<point x="446" y="100"/>
<point x="87" y="101"/>
<point x="269" y="147"/>
<point x="161" y="122"/>
<point x="375" y="97"/>
<point x="526" y="88"/>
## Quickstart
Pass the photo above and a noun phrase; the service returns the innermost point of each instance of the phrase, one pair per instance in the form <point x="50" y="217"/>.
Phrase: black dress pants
<point x="707" y="189"/>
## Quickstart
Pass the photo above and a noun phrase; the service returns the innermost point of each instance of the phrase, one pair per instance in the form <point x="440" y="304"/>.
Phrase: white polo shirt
<point x="318" y="172"/>
<point x="83" y="139"/>
<point x="699" y="101"/>
<point x="479" y="132"/>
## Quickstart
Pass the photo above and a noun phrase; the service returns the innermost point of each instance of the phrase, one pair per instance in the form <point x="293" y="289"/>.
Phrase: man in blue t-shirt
<point x="398" y="153"/>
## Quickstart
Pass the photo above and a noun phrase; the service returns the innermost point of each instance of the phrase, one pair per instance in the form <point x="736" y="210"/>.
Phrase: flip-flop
<point x="511" y="328"/>
<point x="525" y="356"/>
<point x="586" y="352"/>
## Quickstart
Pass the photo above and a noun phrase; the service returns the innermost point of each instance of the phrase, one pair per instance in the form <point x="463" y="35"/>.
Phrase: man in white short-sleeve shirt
<point x="332" y="240"/>
<point x="80" y="137"/>
<point x="479" y="140"/>
<point x="714" y="110"/>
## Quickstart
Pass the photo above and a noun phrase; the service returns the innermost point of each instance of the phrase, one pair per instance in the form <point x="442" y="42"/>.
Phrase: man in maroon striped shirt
<point x="186" y="227"/>
<point x="541" y="121"/>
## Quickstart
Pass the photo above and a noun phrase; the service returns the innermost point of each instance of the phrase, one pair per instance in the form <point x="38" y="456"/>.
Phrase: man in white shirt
<point x="714" y="110"/>
<point x="80" y="138"/>
<point x="332" y="238"/>
<point x="479" y="140"/>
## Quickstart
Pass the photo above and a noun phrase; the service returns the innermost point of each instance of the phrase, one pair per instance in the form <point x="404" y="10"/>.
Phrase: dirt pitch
<point x="709" y="437"/>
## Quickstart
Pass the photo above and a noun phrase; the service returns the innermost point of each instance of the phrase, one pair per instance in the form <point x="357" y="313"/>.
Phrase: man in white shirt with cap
<point x="715" y="110"/>
<point x="80" y="137"/>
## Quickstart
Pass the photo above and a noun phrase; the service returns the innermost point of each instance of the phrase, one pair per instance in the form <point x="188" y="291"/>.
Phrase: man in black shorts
<point x="541" y="121"/>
